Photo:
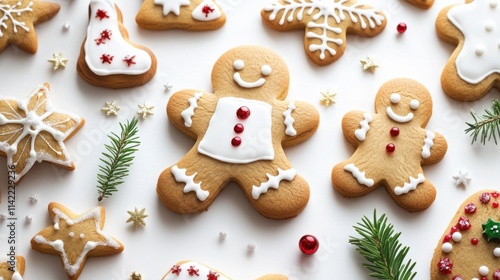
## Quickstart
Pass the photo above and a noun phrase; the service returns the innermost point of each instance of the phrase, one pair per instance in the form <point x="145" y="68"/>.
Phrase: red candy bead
<point x="474" y="241"/>
<point x="495" y="194"/>
<point x="390" y="148"/>
<point x="470" y="208"/>
<point x="453" y="229"/>
<point x="445" y="265"/>
<point x="495" y="204"/>
<point x="447" y="238"/>
<point x="483" y="278"/>
<point x="496" y="274"/>
<point x="236" y="141"/>
<point x="401" y="27"/>
<point x="308" y="244"/>
<point x="243" y="112"/>
<point x="394" y="131"/>
<point x="485" y="197"/>
<point x="238" y="128"/>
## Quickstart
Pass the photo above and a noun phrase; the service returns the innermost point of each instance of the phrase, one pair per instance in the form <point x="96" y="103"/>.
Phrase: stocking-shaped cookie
<point x="469" y="247"/>
<point x="326" y="24"/>
<point x="107" y="58"/>
<point x="473" y="68"/>
<point x="180" y="14"/>
<point x="185" y="270"/>
<point x="391" y="147"/>
<point x="240" y="131"/>
<point x="424" y="4"/>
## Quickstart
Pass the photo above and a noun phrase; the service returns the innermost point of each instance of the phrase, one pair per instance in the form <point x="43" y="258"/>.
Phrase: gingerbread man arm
<point x="299" y="119"/>
<point x="437" y="150"/>
<point x="190" y="111"/>
<point x="355" y="125"/>
<point x="445" y="29"/>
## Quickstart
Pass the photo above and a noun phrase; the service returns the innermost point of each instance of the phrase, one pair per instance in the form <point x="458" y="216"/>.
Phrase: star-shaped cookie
<point x="17" y="21"/>
<point x="32" y="130"/>
<point x="75" y="237"/>
<point x="7" y="271"/>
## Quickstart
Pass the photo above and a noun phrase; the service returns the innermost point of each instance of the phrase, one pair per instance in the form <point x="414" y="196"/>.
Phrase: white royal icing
<point x="10" y="12"/>
<point x="188" y="113"/>
<point x="360" y="176"/>
<point x="428" y="143"/>
<point x="256" y="138"/>
<point x="240" y="64"/>
<point x="58" y="245"/>
<point x="172" y="6"/>
<point x="289" y="120"/>
<point x="201" y="270"/>
<point x="191" y="186"/>
<point x="397" y="118"/>
<point x="410" y="186"/>
<point x="479" y="55"/>
<point x="17" y="276"/>
<point x="116" y="46"/>
<point x="360" y="133"/>
<point x="273" y="181"/>
<point x="395" y="98"/>
<point x="206" y="11"/>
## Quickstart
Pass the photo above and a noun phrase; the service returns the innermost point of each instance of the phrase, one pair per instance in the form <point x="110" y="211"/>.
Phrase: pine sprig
<point x="380" y="246"/>
<point x="118" y="158"/>
<point x="486" y="126"/>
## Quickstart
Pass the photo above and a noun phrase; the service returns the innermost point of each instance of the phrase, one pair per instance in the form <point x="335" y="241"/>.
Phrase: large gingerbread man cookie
<point x="391" y="147"/>
<point x="240" y="132"/>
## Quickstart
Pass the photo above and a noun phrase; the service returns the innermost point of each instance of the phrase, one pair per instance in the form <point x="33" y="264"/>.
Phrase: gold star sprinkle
<point x="137" y="217"/>
<point x="58" y="60"/>
<point x="368" y="64"/>
<point x="135" y="276"/>
<point x="111" y="108"/>
<point x="328" y="97"/>
<point x="145" y="110"/>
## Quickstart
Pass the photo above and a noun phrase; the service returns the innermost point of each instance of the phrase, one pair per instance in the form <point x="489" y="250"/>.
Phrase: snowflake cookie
<point x="469" y="248"/>
<point x="107" y="57"/>
<point x="198" y="15"/>
<point x="193" y="270"/>
<point x="75" y="237"/>
<point x="12" y="268"/>
<point x="33" y="130"/>
<point x="240" y="132"/>
<point x="424" y="4"/>
<point x="326" y="24"/>
<point x="473" y="68"/>
<point x="391" y="146"/>
<point x="17" y="21"/>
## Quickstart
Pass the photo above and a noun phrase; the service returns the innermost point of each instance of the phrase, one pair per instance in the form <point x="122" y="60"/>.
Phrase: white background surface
<point x="185" y="60"/>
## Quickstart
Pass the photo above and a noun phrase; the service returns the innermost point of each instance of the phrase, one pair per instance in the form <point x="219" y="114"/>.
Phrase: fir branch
<point x="380" y="246"/>
<point x="118" y="158"/>
<point x="486" y="126"/>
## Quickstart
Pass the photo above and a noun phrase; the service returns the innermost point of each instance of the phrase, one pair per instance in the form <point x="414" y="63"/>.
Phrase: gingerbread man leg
<point x="418" y="199"/>
<point x="349" y="181"/>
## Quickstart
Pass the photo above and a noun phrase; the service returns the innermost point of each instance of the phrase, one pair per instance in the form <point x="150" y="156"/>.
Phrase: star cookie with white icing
<point x="75" y="237"/>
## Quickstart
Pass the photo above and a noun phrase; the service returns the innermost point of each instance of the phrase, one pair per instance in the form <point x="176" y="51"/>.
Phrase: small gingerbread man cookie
<point x="391" y="146"/>
<point x="326" y="24"/>
<point x="190" y="270"/>
<point x="199" y="15"/>
<point x="424" y="4"/>
<point x="240" y="131"/>
<point x="473" y="68"/>
<point x="12" y="268"/>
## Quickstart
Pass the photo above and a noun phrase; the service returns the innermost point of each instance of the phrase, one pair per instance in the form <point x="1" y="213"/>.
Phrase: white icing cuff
<point x="410" y="186"/>
<point x="360" y="133"/>
<point x="181" y="177"/>
<point x="360" y="176"/>
<point x="273" y="181"/>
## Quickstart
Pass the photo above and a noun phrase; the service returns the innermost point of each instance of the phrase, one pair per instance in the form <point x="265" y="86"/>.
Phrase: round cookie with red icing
<point x="107" y="57"/>
<point x="392" y="145"/>
<point x="240" y="131"/>
<point x="424" y="4"/>
<point x="473" y="68"/>
<point x="469" y="247"/>
<point x="199" y="15"/>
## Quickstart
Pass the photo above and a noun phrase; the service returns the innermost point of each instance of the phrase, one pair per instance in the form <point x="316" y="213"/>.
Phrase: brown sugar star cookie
<point x="240" y="132"/>
<point x="200" y="15"/>
<point x="190" y="270"/>
<point x="424" y="4"/>
<point x="13" y="268"/>
<point x="391" y="147"/>
<point x="75" y="238"/>
<point x="326" y="24"/>
<point x="18" y="19"/>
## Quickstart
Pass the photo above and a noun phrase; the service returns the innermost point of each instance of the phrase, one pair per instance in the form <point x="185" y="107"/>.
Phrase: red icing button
<point x="445" y="265"/>
<point x="474" y="241"/>
<point x="236" y="141"/>
<point x="243" y="112"/>
<point x="394" y="131"/>
<point x="495" y="204"/>
<point x="401" y="27"/>
<point x="238" y="128"/>
<point x="390" y="148"/>
<point x="308" y="244"/>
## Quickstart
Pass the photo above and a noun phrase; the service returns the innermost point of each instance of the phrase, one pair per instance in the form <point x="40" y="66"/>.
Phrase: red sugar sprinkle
<point x="101" y="14"/>
<point x="447" y="238"/>
<point x="453" y="229"/>
<point x="106" y="58"/>
<point x="445" y="265"/>
<point x="495" y="204"/>
<point x="207" y="10"/>
<point x="470" y="208"/>
<point x="495" y="194"/>
<point x="176" y="269"/>
<point x="463" y="223"/>
<point x="484" y="197"/>
<point x="129" y="60"/>
<point x="193" y="271"/>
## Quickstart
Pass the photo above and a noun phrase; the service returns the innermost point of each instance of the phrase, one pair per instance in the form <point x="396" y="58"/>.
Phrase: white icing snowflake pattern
<point x="172" y="6"/>
<point x="9" y="12"/>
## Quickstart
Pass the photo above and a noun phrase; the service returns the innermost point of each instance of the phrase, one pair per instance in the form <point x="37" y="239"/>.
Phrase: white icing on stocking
<point x="289" y="120"/>
<point x="410" y="186"/>
<point x="191" y="186"/>
<point x="428" y="143"/>
<point x="273" y="181"/>
<point x="106" y="51"/>
<point x="188" y="113"/>
<point x="206" y="11"/>
<point x="172" y="6"/>
<point x="360" y="176"/>
<point x="186" y="271"/>
<point x="360" y="133"/>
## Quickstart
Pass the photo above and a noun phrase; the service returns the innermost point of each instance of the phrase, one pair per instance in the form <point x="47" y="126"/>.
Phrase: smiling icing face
<point x="239" y="65"/>
<point x="395" y="98"/>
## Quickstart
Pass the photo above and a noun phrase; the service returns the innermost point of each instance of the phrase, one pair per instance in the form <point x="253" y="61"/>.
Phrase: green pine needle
<point x="380" y="246"/>
<point x="118" y="158"/>
<point x="486" y="126"/>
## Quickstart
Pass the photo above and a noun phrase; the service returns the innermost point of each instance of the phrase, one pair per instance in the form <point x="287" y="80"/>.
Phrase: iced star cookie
<point x="469" y="248"/>
<point x="198" y="15"/>
<point x="326" y="24"/>
<point x="34" y="131"/>
<point x="473" y="68"/>
<point x="107" y="57"/>
<point x="391" y="147"/>
<point x="424" y="4"/>
<point x="240" y="132"/>
<point x="194" y="270"/>
<point x="18" y="19"/>
<point x="75" y="238"/>
<point x="12" y="269"/>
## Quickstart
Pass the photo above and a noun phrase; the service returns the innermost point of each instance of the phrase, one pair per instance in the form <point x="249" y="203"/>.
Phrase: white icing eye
<point x="395" y="98"/>
<point x="266" y="70"/>
<point x="414" y="104"/>
<point x="238" y="64"/>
